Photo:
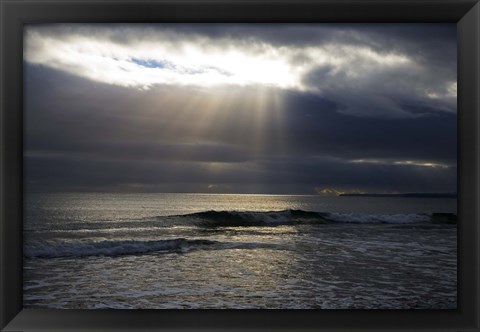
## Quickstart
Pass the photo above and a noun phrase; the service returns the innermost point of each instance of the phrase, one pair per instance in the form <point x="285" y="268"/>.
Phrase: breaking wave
<point x="135" y="247"/>
<point x="285" y="217"/>
<point x="113" y="248"/>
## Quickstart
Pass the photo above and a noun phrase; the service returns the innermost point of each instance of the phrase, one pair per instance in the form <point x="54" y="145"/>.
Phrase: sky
<point x="240" y="108"/>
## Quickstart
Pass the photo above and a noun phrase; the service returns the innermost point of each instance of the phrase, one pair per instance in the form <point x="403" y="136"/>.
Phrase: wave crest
<point x="285" y="217"/>
<point x="113" y="248"/>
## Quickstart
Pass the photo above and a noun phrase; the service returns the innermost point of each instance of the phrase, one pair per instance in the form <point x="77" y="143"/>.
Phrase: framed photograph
<point x="299" y="165"/>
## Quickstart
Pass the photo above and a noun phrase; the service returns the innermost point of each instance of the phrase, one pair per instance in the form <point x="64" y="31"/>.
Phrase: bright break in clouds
<point x="275" y="108"/>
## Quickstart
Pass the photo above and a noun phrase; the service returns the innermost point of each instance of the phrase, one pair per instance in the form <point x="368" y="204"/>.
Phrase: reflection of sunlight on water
<point x="237" y="277"/>
<point x="250" y="259"/>
<point x="259" y="275"/>
<point x="323" y="266"/>
<point x="260" y="269"/>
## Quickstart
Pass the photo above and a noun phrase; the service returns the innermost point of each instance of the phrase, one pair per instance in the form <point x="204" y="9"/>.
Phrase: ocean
<point x="171" y="251"/>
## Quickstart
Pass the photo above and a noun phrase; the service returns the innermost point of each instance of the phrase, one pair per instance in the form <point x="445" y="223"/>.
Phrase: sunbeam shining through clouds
<point x="284" y="108"/>
<point x="257" y="166"/>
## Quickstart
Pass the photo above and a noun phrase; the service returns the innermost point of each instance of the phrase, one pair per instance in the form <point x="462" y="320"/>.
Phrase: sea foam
<point x="113" y="248"/>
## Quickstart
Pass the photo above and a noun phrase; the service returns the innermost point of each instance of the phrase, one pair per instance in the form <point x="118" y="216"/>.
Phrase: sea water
<point x="158" y="251"/>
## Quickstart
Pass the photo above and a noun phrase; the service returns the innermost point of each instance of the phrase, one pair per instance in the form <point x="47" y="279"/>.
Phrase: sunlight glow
<point x="400" y="162"/>
<point x="450" y="91"/>
<point x="336" y="191"/>
<point x="197" y="62"/>
<point x="157" y="63"/>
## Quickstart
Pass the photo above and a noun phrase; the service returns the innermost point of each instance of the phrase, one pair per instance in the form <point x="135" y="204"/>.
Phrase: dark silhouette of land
<point x="413" y="195"/>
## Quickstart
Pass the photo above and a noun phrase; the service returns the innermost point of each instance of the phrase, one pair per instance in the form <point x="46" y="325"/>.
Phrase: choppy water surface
<point x="238" y="251"/>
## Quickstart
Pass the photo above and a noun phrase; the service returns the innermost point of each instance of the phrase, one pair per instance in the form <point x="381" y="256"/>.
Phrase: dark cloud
<point x="81" y="134"/>
<point x="275" y="175"/>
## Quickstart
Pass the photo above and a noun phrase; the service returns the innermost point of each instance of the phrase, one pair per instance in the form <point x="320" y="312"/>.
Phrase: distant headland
<point x="412" y="195"/>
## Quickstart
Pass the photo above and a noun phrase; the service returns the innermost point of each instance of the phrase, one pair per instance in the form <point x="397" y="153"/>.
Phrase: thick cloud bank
<point x="241" y="108"/>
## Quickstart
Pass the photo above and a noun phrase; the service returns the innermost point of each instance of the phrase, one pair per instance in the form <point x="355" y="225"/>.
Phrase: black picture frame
<point x="14" y="14"/>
